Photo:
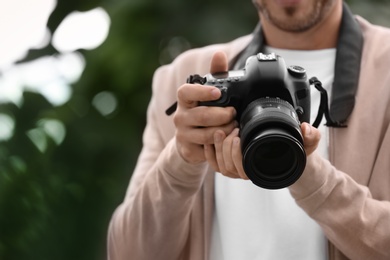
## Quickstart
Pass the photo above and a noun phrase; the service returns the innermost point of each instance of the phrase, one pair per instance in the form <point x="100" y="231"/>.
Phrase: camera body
<point x="271" y="101"/>
<point x="264" y="75"/>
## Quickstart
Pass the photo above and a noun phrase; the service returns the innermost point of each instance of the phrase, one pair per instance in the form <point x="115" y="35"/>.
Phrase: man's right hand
<point x="196" y="125"/>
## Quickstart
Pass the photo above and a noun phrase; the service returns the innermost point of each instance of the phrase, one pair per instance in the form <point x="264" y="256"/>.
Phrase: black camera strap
<point x="323" y="109"/>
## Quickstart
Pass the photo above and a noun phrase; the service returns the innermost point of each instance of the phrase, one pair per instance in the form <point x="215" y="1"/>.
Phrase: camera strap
<point x="323" y="108"/>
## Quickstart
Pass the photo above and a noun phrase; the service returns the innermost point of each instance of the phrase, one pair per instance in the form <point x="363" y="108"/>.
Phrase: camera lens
<point x="272" y="143"/>
<point x="273" y="156"/>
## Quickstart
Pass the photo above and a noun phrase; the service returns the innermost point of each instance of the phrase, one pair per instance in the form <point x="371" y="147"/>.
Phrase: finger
<point x="237" y="157"/>
<point x="219" y="137"/>
<point x="209" y="153"/>
<point x="188" y="95"/>
<point x="202" y="135"/>
<point x="227" y="151"/>
<point x="233" y="155"/>
<point x="205" y="116"/>
<point x="219" y="62"/>
<point x="311" y="137"/>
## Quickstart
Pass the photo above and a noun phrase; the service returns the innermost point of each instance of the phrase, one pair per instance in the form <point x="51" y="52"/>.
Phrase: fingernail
<point x="236" y="141"/>
<point x="215" y="93"/>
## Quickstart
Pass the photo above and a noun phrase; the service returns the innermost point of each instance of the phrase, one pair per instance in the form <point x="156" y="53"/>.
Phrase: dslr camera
<point x="271" y="101"/>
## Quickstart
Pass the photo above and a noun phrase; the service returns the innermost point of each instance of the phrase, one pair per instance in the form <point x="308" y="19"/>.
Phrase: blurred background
<point x="74" y="86"/>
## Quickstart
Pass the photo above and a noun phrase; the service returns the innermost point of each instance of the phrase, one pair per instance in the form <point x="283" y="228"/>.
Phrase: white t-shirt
<point x="255" y="223"/>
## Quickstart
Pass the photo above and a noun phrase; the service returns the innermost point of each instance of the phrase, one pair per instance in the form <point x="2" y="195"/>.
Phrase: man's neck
<point x="322" y="36"/>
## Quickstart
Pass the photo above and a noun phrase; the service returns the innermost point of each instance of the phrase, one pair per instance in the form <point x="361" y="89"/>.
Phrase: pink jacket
<point x="167" y="212"/>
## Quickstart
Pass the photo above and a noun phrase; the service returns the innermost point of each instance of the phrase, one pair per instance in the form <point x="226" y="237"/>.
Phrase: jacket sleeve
<point x="355" y="223"/>
<point x="153" y="220"/>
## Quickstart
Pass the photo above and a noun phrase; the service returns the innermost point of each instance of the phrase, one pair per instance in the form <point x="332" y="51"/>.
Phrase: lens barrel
<point x="272" y="143"/>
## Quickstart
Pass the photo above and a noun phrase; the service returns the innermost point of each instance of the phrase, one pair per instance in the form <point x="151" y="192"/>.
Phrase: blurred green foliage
<point x="56" y="204"/>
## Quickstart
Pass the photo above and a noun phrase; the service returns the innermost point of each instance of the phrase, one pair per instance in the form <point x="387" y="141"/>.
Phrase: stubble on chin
<point x="292" y="22"/>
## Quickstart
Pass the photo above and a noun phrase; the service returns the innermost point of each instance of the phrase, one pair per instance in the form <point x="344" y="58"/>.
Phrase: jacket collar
<point x="347" y="68"/>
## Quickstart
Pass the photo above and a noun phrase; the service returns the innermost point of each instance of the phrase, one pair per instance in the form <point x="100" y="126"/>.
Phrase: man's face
<point x="294" y="15"/>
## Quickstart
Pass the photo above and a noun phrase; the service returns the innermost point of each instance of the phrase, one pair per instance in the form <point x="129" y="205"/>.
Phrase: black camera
<point x="271" y="101"/>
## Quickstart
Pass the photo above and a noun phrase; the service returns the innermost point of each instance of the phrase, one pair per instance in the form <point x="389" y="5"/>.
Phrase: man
<point x="177" y="207"/>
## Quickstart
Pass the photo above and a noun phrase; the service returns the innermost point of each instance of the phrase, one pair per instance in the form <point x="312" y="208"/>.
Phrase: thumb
<point x="219" y="62"/>
<point x="311" y="137"/>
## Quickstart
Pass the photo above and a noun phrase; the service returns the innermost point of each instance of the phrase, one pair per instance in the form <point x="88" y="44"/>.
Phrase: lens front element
<point x="274" y="159"/>
<point x="272" y="143"/>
